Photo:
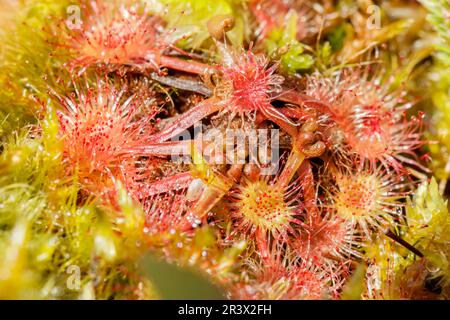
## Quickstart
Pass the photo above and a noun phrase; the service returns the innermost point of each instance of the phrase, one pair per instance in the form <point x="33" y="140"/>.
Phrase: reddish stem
<point x="187" y="119"/>
<point x="280" y="119"/>
<point x="309" y="192"/>
<point x="292" y="164"/>
<point x="213" y="193"/>
<point x="294" y="97"/>
<point x="189" y="66"/>
<point x="208" y="199"/>
<point x="175" y="182"/>
<point x="167" y="148"/>
<point x="299" y="114"/>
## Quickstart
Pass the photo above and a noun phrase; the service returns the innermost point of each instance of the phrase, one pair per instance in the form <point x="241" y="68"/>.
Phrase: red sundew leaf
<point x="98" y="128"/>
<point x="260" y="208"/>
<point x="370" y="198"/>
<point x="325" y="239"/>
<point x="113" y="35"/>
<point x="280" y="276"/>
<point x="371" y="119"/>
<point x="248" y="83"/>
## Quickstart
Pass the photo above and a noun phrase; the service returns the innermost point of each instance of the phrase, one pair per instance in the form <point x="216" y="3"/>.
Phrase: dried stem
<point x="404" y="243"/>
<point x="183" y="84"/>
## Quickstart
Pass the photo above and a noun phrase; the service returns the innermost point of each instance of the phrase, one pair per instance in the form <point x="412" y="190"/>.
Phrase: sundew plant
<point x="256" y="149"/>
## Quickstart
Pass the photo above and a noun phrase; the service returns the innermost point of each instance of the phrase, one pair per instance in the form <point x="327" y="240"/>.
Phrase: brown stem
<point x="213" y="193"/>
<point x="219" y="25"/>
<point x="404" y="243"/>
<point x="183" y="84"/>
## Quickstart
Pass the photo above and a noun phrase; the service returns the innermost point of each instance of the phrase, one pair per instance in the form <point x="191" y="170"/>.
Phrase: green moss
<point x="282" y="45"/>
<point x="337" y="36"/>
<point x="429" y="227"/>
<point x="189" y="19"/>
<point x="29" y="66"/>
<point x="440" y="90"/>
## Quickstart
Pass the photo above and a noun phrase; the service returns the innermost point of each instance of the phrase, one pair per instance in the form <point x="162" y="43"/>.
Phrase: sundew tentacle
<point x="326" y="238"/>
<point x="280" y="275"/>
<point x="372" y="120"/>
<point x="370" y="198"/>
<point x="107" y="137"/>
<point x="113" y="37"/>
<point x="262" y="208"/>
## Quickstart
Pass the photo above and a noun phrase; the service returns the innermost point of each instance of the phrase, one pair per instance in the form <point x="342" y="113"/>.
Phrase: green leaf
<point x="293" y="62"/>
<point x="355" y="285"/>
<point x="176" y="283"/>
<point x="429" y="226"/>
